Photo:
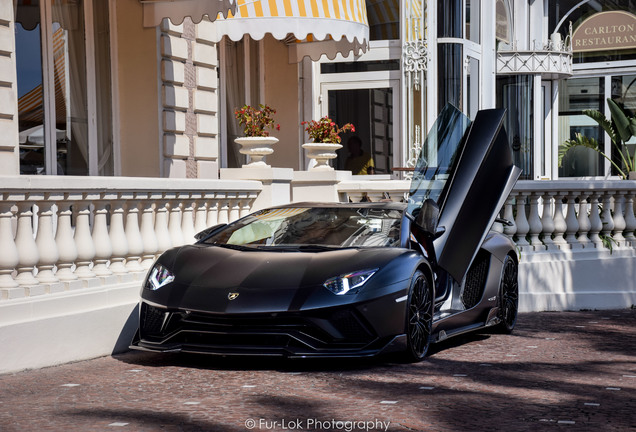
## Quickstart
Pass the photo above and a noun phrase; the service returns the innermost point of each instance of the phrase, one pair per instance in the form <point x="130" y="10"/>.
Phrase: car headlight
<point x="158" y="277"/>
<point x="348" y="283"/>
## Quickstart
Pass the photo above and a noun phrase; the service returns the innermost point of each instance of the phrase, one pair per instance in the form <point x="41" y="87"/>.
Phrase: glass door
<point x="371" y="108"/>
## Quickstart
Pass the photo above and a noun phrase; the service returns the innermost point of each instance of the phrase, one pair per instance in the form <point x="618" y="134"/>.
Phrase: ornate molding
<point x="549" y="64"/>
<point x="415" y="56"/>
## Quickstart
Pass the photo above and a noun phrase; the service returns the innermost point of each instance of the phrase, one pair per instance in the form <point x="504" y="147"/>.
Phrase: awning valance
<point x="177" y="10"/>
<point x="310" y="27"/>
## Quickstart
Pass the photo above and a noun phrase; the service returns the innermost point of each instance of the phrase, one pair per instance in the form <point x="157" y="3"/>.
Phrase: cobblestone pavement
<point x="570" y="371"/>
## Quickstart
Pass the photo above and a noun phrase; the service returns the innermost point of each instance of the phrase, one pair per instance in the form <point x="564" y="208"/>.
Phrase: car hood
<point x="265" y="281"/>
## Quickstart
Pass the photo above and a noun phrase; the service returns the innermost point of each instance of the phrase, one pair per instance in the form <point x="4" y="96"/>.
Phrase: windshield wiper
<point x="233" y="246"/>
<point x="299" y="248"/>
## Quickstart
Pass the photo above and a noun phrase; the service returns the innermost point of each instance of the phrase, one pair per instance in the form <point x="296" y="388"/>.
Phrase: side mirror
<point x="206" y="232"/>
<point x="428" y="218"/>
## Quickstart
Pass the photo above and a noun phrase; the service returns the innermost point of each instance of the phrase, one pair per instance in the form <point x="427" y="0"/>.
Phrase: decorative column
<point x="619" y="219"/>
<point x="174" y="224"/>
<point x="9" y="257"/>
<point x="560" y="226"/>
<point x="572" y="222"/>
<point x="234" y="207"/>
<point x="535" y="222"/>
<point x="148" y="235"/>
<point x="161" y="226"/>
<point x="630" y="219"/>
<point x="223" y="206"/>
<point x="521" y="221"/>
<point x="201" y="214"/>
<point x="213" y="212"/>
<point x="546" y="220"/>
<point x="27" y="249"/>
<point x="596" y="225"/>
<point x="187" y="220"/>
<point x="606" y="214"/>
<point x="509" y="230"/>
<point x="84" y="239"/>
<point x="133" y="236"/>
<point x="584" y="220"/>
<point x="101" y="238"/>
<point x="64" y="238"/>
<point x="118" y="239"/>
<point x="47" y="248"/>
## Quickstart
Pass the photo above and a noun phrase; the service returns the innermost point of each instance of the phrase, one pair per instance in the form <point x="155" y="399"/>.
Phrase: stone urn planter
<point x="632" y="175"/>
<point x="257" y="148"/>
<point x="322" y="153"/>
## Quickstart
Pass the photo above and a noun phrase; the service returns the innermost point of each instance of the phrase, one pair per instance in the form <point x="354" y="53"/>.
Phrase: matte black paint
<point x="278" y="288"/>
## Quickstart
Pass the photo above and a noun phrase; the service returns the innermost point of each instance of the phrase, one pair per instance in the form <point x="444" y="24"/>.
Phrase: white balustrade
<point x="547" y="215"/>
<point x="58" y="231"/>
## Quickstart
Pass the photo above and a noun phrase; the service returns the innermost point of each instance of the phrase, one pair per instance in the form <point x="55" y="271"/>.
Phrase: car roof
<point x="387" y="205"/>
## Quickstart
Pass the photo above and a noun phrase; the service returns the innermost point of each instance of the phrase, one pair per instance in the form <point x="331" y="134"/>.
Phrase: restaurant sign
<point x="613" y="30"/>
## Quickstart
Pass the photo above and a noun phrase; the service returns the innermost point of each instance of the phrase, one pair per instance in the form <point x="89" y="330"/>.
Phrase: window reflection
<point x="53" y="90"/>
<point x="576" y="95"/>
<point x="514" y="93"/>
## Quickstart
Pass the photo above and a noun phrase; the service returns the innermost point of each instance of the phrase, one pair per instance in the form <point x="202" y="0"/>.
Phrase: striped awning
<point x="310" y="27"/>
<point x="177" y="10"/>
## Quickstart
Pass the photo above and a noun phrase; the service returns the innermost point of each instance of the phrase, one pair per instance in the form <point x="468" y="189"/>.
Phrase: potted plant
<point x="620" y="128"/>
<point x="256" y="143"/>
<point x="325" y="134"/>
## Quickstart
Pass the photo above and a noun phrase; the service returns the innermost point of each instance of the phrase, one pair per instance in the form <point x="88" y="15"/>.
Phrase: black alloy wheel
<point x="419" y="323"/>
<point x="508" y="296"/>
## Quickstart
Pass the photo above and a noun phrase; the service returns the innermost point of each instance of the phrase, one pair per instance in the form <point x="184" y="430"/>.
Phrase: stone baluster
<point x="509" y="230"/>
<point x="619" y="218"/>
<point x="84" y="238"/>
<point x="571" y="221"/>
<point x="9" y="257"/>
<point x="133" y="235"/>
<point x="560" y="226"/>
<point x="174" y="223"/>
<point x="584" y="220"/>
<point x="596" y="225"/>
<point x="534" y="222"/>
<point x="200" y="214"/>
<point x="547" y="221"/>
<point x="235" y="207"/>
<point x="630" y="219"/>
<point x="223" y="210"/>
<point x="44" y="239"/>
<point x="148" y="235"/>
<point x="66" y="247"/>
<point x="101" y="238"/>
<point x="521" y="220"/>
<point x="246" y="205"/>
<point x="187" y="220"/>
<point x="25" y="242"/>
<point x="606" y="214"/>
<point x="118" y="240"/>
<point x="161" y="226"/>
<point x="213" y="210"/>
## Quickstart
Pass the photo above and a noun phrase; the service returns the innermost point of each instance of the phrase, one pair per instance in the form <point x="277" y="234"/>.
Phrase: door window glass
<point x="371" y="112"/>
<point x="575" y="96"/>
<point x="514" y="93"/>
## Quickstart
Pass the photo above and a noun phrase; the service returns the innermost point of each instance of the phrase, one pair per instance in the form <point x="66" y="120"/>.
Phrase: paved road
<point x="572" y="371"/>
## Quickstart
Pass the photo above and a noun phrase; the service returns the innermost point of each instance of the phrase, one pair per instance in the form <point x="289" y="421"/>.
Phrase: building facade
<point x="117" y="88"/>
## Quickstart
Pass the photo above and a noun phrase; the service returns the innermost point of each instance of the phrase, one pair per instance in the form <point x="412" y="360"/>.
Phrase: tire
<point x="419" y="317"/>
<point x="508" y="296"/>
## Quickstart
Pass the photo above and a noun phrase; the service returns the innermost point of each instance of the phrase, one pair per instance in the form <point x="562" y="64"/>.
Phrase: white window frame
<point x="50" y="144"/>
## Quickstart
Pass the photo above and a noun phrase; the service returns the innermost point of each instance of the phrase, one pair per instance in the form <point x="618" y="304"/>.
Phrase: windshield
<point x="438" y="158"/>
<point x="335" y="227"/>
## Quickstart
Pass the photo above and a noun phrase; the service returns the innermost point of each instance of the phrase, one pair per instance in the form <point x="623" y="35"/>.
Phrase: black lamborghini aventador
<point x="351" y="279"/>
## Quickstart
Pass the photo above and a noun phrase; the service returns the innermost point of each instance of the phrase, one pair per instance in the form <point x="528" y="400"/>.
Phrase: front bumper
<point x="329" y="332"/>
